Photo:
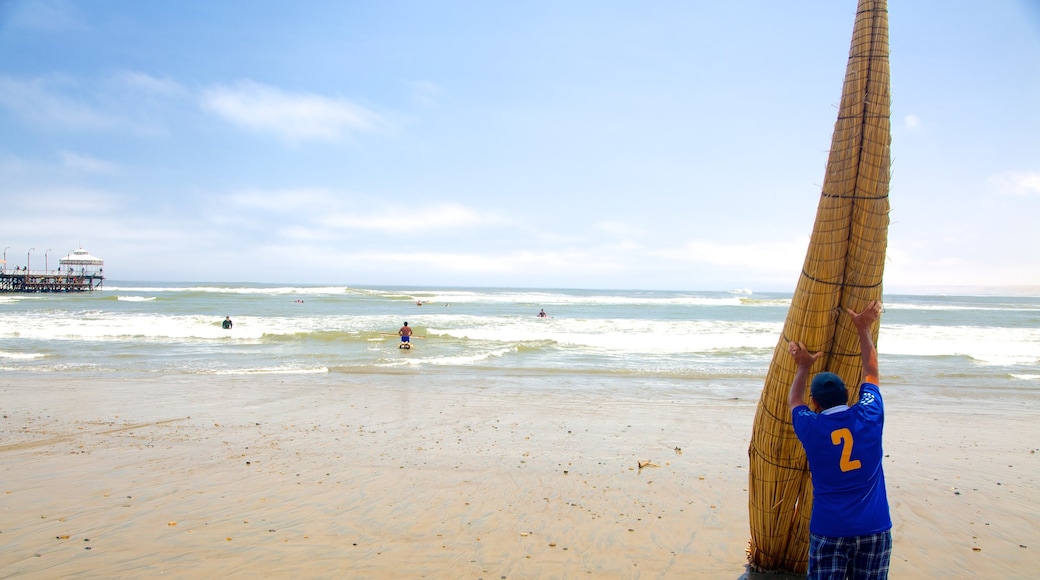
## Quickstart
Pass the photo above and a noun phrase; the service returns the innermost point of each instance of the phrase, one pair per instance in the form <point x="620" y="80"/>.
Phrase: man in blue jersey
<point x="850" y="530"/>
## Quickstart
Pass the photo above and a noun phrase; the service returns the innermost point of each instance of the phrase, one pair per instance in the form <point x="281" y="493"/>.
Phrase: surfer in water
<point x="226" y="325"/>
<point x="405" y="333"/>
<point x="542" y="314"/>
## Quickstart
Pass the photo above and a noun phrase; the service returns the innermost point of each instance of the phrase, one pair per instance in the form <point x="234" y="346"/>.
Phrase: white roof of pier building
<point x="80" y="257"/>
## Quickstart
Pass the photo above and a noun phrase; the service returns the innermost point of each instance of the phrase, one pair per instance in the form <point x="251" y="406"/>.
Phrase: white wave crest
<point x="21" y="355"/>
<point x="1026" y="376"/>
<point x="271" y="371"/>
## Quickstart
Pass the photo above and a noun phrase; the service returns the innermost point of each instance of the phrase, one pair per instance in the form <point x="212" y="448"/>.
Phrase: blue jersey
<point x="844" y="453"/>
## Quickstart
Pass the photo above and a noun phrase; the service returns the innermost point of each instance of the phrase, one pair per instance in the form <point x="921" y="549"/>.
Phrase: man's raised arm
<point x="863" y="321"/>
<point x="804" y="360"/>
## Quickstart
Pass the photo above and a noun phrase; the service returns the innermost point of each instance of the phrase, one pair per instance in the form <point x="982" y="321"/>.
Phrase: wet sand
<point x="456" y="476"/>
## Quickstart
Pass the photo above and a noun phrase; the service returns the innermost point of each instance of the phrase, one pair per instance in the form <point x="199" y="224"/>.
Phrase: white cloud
<point x="296" y="117"/>
<point x="317" y="213"/>
<point x="1017" y="183"/>
<point x="619" y="229"/>
<point x="150" y="84"/>
<point x="86" y="163"/>
<point x="59" y="102"/>
<point x="298" y="233"/>
<point x="35" y="101"/>
<point x="46" y="15"/>
<point x="426" y="93"/>
<point x="48" y="201"/>
<point x="10" y="166"/>
<point x="757" y="256"/>
<point x="922" y="268"/>
<point x="410" y="219"/>
<point x="477" y="263"/>
<point x="912" y="121"/>
<point x="308" y="199"/>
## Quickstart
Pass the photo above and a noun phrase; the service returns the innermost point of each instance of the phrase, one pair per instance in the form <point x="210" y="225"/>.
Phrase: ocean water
<point x="719" y="343"/>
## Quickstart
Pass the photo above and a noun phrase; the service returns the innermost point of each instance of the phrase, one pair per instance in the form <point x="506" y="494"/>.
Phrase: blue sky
<point x="587" y="144"/>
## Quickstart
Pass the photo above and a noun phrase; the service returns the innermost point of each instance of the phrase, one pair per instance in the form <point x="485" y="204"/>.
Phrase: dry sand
<point x="410" y="476"/>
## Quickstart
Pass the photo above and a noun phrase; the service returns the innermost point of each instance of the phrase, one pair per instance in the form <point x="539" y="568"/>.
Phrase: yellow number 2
<point x="843" y="437"/>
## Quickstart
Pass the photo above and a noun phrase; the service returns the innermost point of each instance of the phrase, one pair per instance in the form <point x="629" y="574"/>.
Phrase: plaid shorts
<point x="858" y="557"/>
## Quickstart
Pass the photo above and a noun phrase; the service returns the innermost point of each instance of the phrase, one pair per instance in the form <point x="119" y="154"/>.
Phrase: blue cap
<point x="829" y="390"/>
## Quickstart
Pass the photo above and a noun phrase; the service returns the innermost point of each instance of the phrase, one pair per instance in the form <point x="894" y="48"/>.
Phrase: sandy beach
<point x="416" y="476"/>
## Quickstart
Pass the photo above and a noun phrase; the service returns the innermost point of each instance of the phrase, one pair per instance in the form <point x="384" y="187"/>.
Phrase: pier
<point x="77" y="272"/>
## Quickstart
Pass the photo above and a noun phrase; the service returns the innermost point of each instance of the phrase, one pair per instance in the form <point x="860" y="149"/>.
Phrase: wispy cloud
<point x="317" y="213"/>
<point x="399" y="219"/>
<point x="475" y="263"/>
<point x="44" y="15"/>
<point x="911" y="121"/>
<point x="40" y="102"/>
<point x="1017" y="183"/>
<point x="619" y="229"/>
<point x="146" y="83"/>
<point x="426" y="93"/>
<point x="296" y="117"/>
<point x="61" y="103"/>
<point x="86" y="163"/>
<point x="758" y="256"/>
<point x="282" y="200"/>
<point x="46" y="202"/>
<point x="138" y="101"/>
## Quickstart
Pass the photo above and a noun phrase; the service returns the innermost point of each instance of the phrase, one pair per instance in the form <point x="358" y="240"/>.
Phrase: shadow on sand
<point x="750" y="574"/>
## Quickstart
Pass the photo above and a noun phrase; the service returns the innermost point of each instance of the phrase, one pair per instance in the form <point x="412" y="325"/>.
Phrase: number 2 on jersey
<point x="843" y="437"/>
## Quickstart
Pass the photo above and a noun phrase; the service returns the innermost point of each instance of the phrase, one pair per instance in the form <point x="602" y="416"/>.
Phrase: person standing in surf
<point x="405" y="334"/>
<point x="226" y="325"/>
